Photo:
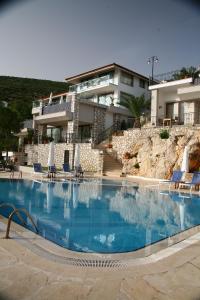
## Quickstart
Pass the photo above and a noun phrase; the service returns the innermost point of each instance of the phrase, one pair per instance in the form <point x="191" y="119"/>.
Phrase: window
<point x="126" y="79"/>
<point x="125" y="96"/>
<point x="142" y="83"/>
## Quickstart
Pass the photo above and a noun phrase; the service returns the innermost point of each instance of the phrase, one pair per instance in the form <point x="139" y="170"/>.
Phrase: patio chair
<point x="66" y="171"/>
<point x="176" y="179"/>
<point x="195" y="182"/>
<point x="52" y="171"/>
<point x="37" y="170"/>
<point x="79" y="171"/>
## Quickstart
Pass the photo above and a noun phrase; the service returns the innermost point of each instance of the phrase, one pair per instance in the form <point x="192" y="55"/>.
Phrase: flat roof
<point x="102" y="69"/>
<point x="170" y="83"/>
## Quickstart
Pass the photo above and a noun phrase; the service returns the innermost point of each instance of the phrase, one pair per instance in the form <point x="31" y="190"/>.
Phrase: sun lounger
<point x="176" y="179"/>
<point x="79" y="171"/>
<point x="195" y="182"/>
<point x="66" y="172"/>
<point x="37" y="170"/>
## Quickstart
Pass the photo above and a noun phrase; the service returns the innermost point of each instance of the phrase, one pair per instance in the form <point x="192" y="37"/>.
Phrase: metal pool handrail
<point x="17" y="210"/>
<point x="14" y="208"/>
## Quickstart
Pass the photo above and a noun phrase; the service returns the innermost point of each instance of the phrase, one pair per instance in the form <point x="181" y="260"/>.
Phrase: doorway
<point x="66" y="157"/>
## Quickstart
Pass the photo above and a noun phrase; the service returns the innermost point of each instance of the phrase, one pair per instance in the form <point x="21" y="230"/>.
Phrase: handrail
<point x="11" y="216"/>
<point x="14" y="208"/>
<point x="107" y="133"/>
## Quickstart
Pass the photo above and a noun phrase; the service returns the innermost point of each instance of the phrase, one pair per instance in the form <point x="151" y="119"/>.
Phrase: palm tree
<point x="184" y="73"/>
<point x="136" y="105"/>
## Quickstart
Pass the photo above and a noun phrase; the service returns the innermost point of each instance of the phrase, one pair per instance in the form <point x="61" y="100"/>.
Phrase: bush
<point x="127" y="155"/>
<point x="164" y="134"/>
<point x="137" y="166"/>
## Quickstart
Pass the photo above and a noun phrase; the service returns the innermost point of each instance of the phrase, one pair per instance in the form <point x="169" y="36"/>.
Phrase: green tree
<point x="8" y="126"/>
<point x="137" y="106"/>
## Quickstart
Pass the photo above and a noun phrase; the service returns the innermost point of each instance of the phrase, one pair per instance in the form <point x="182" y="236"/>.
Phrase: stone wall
<point x="144" y="153"/>
<point x="99" y="123"/>
<point x="91" y="159"/>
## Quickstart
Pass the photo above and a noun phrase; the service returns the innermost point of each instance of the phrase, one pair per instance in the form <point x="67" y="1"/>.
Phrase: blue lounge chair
<point x="79" y="171"/>
<point x="66" y="171"/>
<point x="195" y="182"/>
<point x="66" y="168"/>
<point x="37" y="170"/>
<point x="176" y="179"/>
<point x="52" y="171"/>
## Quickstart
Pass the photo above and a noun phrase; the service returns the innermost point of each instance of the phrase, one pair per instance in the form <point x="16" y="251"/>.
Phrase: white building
<point x="88" y="113"/>
<point x="176" y="102"/>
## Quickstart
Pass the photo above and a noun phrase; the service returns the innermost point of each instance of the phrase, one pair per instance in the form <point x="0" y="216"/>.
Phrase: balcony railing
<point x="80" y="87"/>
<point x="191" y="118"/>
<point x="36" y="104"/>
<point x="57" y="107"/>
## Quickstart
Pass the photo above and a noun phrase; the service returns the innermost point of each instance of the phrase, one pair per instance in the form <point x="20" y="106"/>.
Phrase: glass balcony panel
<point x="104" y="80"/>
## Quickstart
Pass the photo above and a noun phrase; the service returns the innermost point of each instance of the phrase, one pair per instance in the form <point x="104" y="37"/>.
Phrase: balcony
<point x="55" y="112"/>
<point x="92" y="84"/>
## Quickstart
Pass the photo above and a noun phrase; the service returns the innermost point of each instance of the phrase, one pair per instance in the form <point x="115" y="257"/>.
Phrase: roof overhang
<point x="75" y="79"/>
<point x="174" y="83"/>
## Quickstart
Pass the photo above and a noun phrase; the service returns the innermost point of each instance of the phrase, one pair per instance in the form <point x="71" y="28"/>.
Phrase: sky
<point x="55" y="39"/>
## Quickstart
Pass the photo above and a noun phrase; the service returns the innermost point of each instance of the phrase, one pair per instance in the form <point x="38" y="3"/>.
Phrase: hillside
<point x="21" y="92"/>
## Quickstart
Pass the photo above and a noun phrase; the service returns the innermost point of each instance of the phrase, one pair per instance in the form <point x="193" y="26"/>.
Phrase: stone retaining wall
<point x="91" y="159"/>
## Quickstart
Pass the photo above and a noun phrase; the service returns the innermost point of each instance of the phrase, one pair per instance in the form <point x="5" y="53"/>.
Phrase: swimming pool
<point x="100" y="215"/>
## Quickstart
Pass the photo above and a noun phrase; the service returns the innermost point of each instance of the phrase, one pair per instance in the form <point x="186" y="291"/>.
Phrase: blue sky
<point x="51" y="39"/>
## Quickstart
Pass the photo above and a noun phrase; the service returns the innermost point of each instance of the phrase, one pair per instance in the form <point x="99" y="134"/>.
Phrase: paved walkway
<point x="26" y="275"/>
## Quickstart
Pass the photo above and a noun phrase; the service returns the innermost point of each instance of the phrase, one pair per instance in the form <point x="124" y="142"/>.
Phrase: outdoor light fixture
<point x="151" y="60"/>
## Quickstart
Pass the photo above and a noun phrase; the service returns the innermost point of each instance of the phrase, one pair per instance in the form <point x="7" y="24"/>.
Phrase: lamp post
<point x="151" y="60"/>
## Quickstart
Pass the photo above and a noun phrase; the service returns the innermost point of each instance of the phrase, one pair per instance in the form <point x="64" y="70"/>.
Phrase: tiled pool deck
<point x="28" y="271"/>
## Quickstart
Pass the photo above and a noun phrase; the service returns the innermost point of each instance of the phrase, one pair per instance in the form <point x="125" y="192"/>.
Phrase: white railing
<point x="80" y="87"/>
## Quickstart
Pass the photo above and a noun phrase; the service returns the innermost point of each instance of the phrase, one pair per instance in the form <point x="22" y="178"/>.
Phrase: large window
<point x="142" y="83"/>
<point x="125" y="96"/>
<point x="126" y="78"/>
<point x="55" y="133"/>
<point x="84" y="133"/>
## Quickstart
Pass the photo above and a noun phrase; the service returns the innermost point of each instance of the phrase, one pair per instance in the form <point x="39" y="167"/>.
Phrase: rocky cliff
<point x="144" y="153"/>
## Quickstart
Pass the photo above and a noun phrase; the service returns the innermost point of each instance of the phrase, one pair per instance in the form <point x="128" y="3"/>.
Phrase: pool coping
<point x="51" y="251"/>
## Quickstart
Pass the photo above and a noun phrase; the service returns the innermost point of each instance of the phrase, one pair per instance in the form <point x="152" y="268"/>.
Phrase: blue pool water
<point x="101" y="215"/>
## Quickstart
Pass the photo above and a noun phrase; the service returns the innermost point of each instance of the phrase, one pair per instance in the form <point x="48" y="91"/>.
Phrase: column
<point x="72" y="129"/>
<point x="154" y="107"/>
<point x="98" y="124"/>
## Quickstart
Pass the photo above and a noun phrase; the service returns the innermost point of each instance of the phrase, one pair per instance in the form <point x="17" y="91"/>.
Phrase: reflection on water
<point x="101" y="215"/>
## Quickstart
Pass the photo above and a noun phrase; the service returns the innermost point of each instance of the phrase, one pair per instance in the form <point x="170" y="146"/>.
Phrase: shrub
<point x="164" y="134"/>
<point x="127" y="155"/>
<point x="137" y="166"/>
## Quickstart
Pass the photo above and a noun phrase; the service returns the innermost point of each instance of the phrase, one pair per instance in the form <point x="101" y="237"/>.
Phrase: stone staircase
<point x="111" y="166"/>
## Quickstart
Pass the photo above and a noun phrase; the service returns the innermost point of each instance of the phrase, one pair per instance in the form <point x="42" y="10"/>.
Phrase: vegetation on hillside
<point x="19" y="93"/>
